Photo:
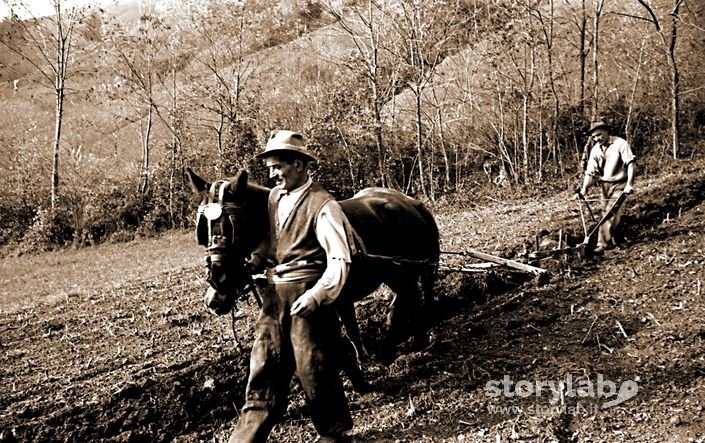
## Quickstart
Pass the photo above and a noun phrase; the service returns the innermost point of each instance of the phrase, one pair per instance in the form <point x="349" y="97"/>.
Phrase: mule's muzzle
<point x="218" y="303"/>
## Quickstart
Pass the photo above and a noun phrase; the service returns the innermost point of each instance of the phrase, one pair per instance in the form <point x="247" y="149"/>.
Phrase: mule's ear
<point x="198" y="184"/>
<point x="239" y="183"/>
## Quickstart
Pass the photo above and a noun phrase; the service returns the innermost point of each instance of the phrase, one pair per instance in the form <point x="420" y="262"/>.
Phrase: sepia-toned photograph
<point x="394" y="221"/>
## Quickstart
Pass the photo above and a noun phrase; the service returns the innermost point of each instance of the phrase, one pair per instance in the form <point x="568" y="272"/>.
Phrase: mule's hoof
<point x="361" y="386"/>
<point x="357" y="379"/>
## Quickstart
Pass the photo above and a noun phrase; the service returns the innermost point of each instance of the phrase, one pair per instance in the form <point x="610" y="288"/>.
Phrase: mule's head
<point x="230" y="225"/>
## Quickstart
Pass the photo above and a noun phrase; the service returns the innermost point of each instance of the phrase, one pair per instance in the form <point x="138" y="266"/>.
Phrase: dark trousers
<point x="284" y="344"/>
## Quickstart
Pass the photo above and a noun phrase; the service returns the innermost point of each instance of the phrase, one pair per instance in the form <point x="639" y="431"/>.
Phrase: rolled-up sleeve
<point x="595" y="161"/>
<point x="626" y="153"/>
<point x="332" y="235"/>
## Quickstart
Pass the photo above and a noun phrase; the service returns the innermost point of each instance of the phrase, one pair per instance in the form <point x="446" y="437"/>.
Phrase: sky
<point x="41" y="8"/>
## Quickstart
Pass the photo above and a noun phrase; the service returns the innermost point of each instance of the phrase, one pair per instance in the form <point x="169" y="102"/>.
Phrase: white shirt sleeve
<point x="331" y="234"/>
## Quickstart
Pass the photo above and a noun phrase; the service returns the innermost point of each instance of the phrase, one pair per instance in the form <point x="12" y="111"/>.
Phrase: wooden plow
<point x="563" y="248"/>
<point x="490" y="261"/>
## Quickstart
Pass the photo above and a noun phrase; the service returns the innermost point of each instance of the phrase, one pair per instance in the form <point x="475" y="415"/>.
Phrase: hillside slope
<point x="104" y="119"/>
<point x="139" y="359"/>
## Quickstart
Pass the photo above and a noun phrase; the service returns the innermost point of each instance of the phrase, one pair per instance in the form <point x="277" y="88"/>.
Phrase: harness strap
<point x="357" y="245"/>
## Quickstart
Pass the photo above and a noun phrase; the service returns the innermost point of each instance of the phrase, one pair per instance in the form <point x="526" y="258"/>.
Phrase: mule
<point x="395" y="242"/>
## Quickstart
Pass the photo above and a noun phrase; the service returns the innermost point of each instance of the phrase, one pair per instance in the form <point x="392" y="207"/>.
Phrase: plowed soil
<point x="140" y="359"/>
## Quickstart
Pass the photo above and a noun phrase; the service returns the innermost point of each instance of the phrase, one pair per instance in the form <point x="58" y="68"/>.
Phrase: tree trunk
<point x="145" y="134"/>
<point x="419" y="142"/>
<point x="670" y="47"/>
<point x="539" y="165"/>
<point x="553" y="142"/>
<point x="219" y="129"/>
<point x="444" y="152"/>
<point x="379" y="142"/>
<point x="630" y="105"/>
<point x="595" y="59"/>
<point x="376" y="105"/>
<point x="525" y="137"/>
<point x="57" y="142"/>
<point x="174" y="153"/>
<point x="63" y="44"/>
<point x="675" y="80"/>
<point x="174" y="148"/>
<point x="583" y="57"/>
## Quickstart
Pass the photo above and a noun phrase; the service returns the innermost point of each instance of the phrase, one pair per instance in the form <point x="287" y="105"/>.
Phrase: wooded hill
<point x="416" y="95"/>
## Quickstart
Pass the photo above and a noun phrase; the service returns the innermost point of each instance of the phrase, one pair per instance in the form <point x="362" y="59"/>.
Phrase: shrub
<point x="49" y="230"/>
<point x="16" y="216"/>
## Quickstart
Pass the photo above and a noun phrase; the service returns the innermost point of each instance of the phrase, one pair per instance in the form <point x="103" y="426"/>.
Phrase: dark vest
<point x="296" y="241"/>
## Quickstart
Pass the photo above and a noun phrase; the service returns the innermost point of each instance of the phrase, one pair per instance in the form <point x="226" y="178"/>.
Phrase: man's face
<point x="600" y="136"/>
<point x="287" y="175"/>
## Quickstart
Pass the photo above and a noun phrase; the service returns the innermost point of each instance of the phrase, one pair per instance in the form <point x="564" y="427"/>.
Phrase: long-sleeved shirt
<point x="332" y="235"/>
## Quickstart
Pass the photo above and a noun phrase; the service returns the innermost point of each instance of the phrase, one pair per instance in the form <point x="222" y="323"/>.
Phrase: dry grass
<point x="52" y="276"/>
<point x="28" y="279"/>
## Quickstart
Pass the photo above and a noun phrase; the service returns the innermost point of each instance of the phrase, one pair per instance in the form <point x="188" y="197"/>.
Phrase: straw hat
<point x="286" y="141"/>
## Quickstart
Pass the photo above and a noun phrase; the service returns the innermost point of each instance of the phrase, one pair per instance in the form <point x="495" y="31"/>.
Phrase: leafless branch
<point x="651" y="13"/>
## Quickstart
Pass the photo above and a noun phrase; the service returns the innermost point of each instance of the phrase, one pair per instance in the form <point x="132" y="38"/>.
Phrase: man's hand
<point x="629" y="189"/>
<point x="255" y="264"/>
<point x="304" y="305"/>
<point x="578" y="194"/>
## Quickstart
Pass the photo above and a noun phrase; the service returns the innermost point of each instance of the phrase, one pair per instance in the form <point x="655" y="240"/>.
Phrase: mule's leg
<point x="403" y="311"/>
<point x="364" y="278"/>
<point x="346" y="310"/>
<point x="350" y="348"/>
<point x="428" y="281"/>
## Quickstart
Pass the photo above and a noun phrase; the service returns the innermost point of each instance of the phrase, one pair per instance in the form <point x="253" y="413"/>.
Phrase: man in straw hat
<point x="611" y="166"/>
<point x="298" y="329"/>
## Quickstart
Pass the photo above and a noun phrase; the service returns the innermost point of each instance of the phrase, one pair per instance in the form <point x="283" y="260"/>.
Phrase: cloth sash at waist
<point x="296" y="271"/>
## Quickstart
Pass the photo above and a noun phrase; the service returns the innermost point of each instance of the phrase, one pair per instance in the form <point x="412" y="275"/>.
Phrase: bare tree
<point x="364" y="25"/>
<point x="149" y="62"/>
<point x="630" y="106"/>
<point x="599" y="7"/>
<point x="46" y="44"/>
<point x="439" y="102"/>
<point x="582" y="28"/>
<point x="547" y="29"/>
<point x="138" y="64"/>
<point x="669" y="38"/>
<point x="229" y="70"/>
<point x="426" y="34"/>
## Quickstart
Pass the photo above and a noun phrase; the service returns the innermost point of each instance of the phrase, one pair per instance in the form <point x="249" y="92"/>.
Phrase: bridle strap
<point x="223" y="247"/>
<point x="221" y="192"/>
<point x="216" y="257"/>
<point x="217" y="189"/>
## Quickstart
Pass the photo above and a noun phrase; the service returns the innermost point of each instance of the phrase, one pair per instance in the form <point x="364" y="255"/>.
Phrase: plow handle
<point x="610" y="212"/>
<point x="582" y="198"/>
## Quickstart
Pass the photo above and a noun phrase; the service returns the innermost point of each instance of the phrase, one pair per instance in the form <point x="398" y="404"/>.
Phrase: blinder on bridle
<point x="219" y="228"/>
